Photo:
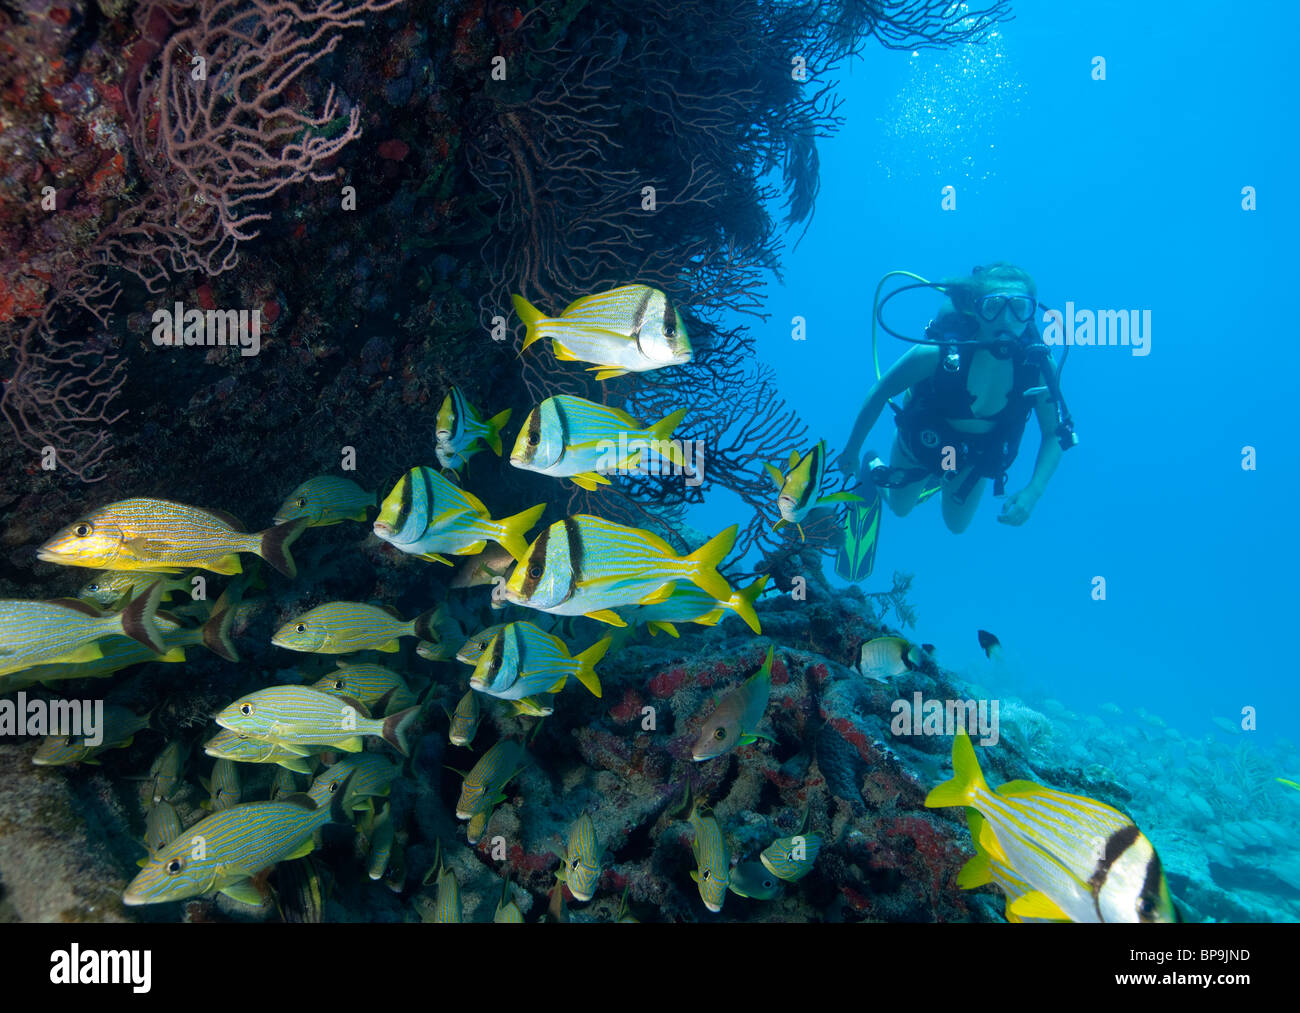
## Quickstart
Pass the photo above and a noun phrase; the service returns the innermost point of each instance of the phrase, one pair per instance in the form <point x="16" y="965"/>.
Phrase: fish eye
<point x="68" y="741"/>
<point x="721" y="733"/>
<point x="707" y="874"/>
<point x="534" y="439"/>
<point x="175" y="866"/>
<point x="534" y="571"/>
<point x="82" y="530"/>
<point x="302" y="501"/>
<point x="92" y="587"/>
<point x="246" y="709"/>
<point x="338" y="683"/>
<point x="334" y="786"/>
<point x="301" y="628"/>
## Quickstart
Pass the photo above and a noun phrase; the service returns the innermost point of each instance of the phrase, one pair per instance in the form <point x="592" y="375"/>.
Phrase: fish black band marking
<point x="536" y="561"/>
<point x="670" y="317"/>
<point x="1118" y="843"/>
<point x="404" y="511"/>
<point x="573" y="537"/>
<point x="638" y="317"/>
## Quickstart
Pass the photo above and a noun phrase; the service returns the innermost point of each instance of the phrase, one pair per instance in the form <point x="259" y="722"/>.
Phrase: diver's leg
<point x="958" y="514"/>
<point x="902" y="499"/>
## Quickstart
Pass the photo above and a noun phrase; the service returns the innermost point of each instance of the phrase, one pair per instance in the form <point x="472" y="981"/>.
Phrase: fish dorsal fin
<point x="391" y="611"/>
<point x="301" y="799"/>
<point x="774" y="473"/>
<point x="794" y="459"/>
<point x="1037" y="904"/>
<point x="230" y="519"/>
<point x="353" y="702"/>
<point x="475" y="503"/>
<point x="77" y="605"/>
<point x="1018" y="789"/>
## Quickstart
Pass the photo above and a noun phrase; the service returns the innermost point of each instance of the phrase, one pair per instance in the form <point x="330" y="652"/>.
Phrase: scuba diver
<point x="971" y="384"/>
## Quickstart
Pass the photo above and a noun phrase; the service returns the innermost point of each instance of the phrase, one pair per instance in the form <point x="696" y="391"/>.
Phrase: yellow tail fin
<point x="512" y="531"/>
<point x="966" y="777"/>
<point x="494" y="426"/>
<point x="586" y="673"/>
<point x="707" y="557"/>
<point x="743" y="603"/>
<point x="531" y="316"/>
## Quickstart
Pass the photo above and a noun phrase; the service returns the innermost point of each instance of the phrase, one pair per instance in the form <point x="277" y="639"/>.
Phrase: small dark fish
<point x="989" y="642"/>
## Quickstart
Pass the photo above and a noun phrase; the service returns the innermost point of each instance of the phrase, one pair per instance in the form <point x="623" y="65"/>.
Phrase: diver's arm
<point x="913" y="366"/>
<point x="1017" y="507"/>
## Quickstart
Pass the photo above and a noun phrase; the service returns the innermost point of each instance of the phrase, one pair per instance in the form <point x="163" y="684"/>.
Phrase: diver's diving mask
<point x="989" y="306"/>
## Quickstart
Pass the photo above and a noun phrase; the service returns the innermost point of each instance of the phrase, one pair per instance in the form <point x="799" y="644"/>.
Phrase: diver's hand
<point x="848" y="463"/>
<point x="1017" y="507"/>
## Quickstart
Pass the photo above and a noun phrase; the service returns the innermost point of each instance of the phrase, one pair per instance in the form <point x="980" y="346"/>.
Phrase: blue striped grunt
<point x="571" y="437"/>
<point x="585" y="565"/>
<point x="116" y="731"/>
<point x="368" y="775"/>
<point x="427" y="515"/>
<point x="712" y="870"/>
<point x="464" y="722"/>
<point x="118" y="652"/>
<point x="478" y="824"/>
<point x="166" y="537"/>
<point x="243" y="749"/>
<point x="507" y="911"/>
<point x="368" y="683"/>
<point x="482" y="787"/>
<point x="66" y="630"/>
<point x="326" y="500"/>
<point x="342" y="627"/>
<point x="111" y="588"/>
<point x="382" y="835"/>
<point x="1083" y="860"/>
<point x="688" y="604"/>
<point x="734" y="722"/>
<point x="752" y="880"/>
<point x="162" y="825"/>
<point x="799" y="489"/>
<point x="461" y="431"/>
<point x="792" y="858"/>
<point x="523" y="660"/>
<point x="448" y="909"/>
<point x="581" y="869"/>
<point x="472" y="649"/>
<point x="283" y="783"/>
<point x="223" y="787"/>
<point x="296" y="717"/>
<point x="224" y="851"/>
<point x="629" y="329"/>
<point x="165" y="773"/>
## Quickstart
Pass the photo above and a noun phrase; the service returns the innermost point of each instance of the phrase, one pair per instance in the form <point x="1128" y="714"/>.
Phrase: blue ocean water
<point x="1123" y="193"/>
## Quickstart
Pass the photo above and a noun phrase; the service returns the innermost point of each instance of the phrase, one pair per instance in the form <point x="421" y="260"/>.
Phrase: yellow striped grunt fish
<point x="245" y="749"/>
<point x="507" y="911"/>
<point x="522" y="661"/>
<point x="792" y="858"/>
<point x="342" y="627"/>
<point x="368" y="775"/>
<point x="162" y="825"/>
<point x="299" y="717"/>
<point x="629" y="329"/>
<point x="427" y="515"/>
<point x="586" y="565"/>
<point x="119" y="652"/>
<point x="113" y="587"/>
<point x="1083" y="860"/>
<point x="984" y="869"/>
<point x="688" y="604"/>
<point x="368" y="683"/>
<point x="116" y="731"/>
<point x="800" y="487"/>
<point x="66" y="630"/>
<point x="223" y="787"/>
<point x="165" y="773"/>
<point x="712" y="870"/>
<point x="161" y="536"/>
<point x="326" y="500"/>
<point x="581" y="869"/>
<point x="482" y="787"/>
<point x="461" y="431"/>
<point x="571" y="437"/>
<point x="382" y="837"/>
<point x="226" y="850"/>
<point x="465" y="719"/>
